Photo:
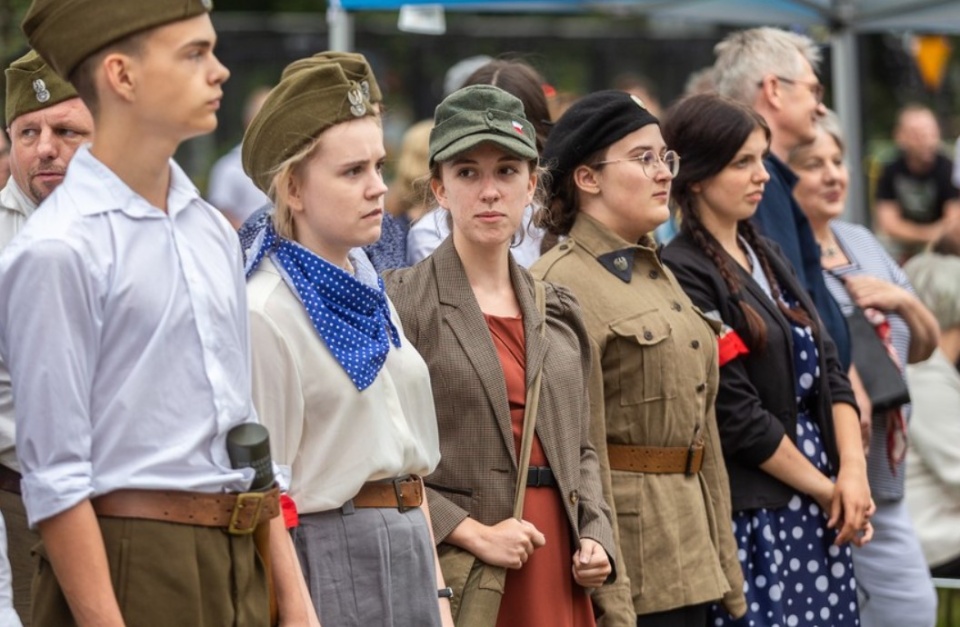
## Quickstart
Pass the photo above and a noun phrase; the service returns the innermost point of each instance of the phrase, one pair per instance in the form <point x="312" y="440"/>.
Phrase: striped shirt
<point x="868" y="257"/>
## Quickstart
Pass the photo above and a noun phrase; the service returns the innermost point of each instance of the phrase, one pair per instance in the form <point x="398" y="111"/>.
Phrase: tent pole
<point x="846" y="100"/>
<point x="339" y="27"/>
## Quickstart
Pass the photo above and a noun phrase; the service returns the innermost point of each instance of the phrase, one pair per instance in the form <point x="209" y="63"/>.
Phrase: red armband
<point x="289" y="511"/>
<point x="730" y="346"/>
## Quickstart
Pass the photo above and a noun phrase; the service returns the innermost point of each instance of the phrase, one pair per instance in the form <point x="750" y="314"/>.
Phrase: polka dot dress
<point x="793" y="575"/>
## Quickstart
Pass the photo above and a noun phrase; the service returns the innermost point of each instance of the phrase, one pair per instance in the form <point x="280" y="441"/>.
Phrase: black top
<point x="920" y="196"/>
<point x="756" y="403"/>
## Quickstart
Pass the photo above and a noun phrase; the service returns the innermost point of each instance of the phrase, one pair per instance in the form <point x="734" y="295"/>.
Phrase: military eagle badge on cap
<point x="40" y="89"/>
<point x="365" y="89"/>
<point x="357" y="107"/>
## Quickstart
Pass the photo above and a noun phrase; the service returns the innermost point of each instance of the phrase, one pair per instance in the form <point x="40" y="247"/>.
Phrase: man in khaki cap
<point x="130" y="381"/>
<point x="47" y="122"/>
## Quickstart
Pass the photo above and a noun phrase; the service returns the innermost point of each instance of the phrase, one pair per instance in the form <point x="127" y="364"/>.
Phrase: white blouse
<point x="330" y="437"/>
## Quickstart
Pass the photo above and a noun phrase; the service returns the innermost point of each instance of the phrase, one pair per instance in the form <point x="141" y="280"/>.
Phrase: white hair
<point x="936" y="280"/>
<point x="745" y="57"/>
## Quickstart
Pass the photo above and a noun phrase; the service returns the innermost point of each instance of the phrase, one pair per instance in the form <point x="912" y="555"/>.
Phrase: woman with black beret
<point x="655" y="372"/>
<point x="787" y="416"/>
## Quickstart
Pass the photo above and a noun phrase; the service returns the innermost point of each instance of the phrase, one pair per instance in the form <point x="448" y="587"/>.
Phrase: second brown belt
<point x="402" y="493"/>
<point x="656" y="459"/>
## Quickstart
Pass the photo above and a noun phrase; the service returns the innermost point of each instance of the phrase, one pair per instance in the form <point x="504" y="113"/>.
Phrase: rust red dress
<point x="543" y="592"/>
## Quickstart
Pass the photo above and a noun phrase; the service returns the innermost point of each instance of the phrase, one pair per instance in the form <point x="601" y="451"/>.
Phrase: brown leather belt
<point x="9" y="480"/>
<point x="687" y="460"/>
<point x="238" y="513"/>
<point x="402" y="493"/>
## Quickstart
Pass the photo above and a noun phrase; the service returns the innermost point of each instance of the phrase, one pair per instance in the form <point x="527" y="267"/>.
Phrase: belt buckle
<point x="398" y="491"/>
<point x="235" y="528"/>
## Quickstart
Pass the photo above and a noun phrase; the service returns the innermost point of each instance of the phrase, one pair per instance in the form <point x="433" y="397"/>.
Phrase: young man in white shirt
<point x="123" y="321"/>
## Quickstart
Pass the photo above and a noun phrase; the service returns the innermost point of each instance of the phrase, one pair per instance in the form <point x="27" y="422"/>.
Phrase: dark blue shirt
<point x="780" y="218"/>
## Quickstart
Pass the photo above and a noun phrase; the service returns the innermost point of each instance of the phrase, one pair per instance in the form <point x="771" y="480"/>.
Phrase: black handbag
<point x="881" y="377"/>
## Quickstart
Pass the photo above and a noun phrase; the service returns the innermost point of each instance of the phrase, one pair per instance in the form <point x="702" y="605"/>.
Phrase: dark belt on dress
<point x="403" y="493"/>
<point x="686" y="460"/>
<point x="239" y="513"/>
<point x="9" y="480"/>
<point x="541" y="477"/>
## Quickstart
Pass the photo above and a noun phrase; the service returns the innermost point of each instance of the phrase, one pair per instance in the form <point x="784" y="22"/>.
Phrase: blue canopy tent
<point x="844" y="18"/>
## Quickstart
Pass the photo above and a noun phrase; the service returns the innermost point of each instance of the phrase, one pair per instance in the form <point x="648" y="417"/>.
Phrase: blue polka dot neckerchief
<point x="352" y="319"/>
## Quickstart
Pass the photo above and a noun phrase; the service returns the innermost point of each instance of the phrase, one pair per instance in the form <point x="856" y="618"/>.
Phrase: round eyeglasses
<point x="651" y="161"/>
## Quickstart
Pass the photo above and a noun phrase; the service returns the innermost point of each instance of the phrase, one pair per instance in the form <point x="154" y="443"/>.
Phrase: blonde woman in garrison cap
<point x="344" y="393"/>
<point x="123" y="320"/>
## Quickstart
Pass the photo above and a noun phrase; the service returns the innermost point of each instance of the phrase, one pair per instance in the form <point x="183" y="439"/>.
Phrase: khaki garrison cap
<point x="32" y="85"/>
<point x="67" y="32"/>
<point x="354" y="65"/>
<point x="306" y="102"/>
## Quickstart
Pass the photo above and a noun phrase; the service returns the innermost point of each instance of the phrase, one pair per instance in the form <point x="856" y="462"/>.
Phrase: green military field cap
<point x="481" y="113"/>
<point x="66" y="32"/>
<point x="32" y="85"/>
<point x="354" y="65"/>
<point x="306" y="102"/>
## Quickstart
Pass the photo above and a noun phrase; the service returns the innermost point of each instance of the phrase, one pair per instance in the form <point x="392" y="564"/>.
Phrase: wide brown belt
<point x="402" y="493"/>
<point x="9" y="480"/>
<point x="238" y="513"/>
<point x="687" y="460"/>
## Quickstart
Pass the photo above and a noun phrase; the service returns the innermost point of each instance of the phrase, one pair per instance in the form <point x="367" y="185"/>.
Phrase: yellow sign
<point x="931" y="54"/>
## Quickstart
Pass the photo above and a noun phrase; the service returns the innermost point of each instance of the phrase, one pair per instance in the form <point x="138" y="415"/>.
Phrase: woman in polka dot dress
<point x="786" y="414"/>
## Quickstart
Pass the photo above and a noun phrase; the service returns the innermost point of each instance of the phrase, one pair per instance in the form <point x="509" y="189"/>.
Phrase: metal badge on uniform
<point x="357" y="107"/>
<point x="619" y="263"/>
<point x="365" y="89"/>
<point x="638" y="101"/>
<point x="207" y="4"/>
<point x="40" y="88"/>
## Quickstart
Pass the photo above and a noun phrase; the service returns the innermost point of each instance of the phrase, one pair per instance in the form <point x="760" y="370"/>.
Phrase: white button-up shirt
<point x="15" y="208"/>
<point x="126" y="333"/>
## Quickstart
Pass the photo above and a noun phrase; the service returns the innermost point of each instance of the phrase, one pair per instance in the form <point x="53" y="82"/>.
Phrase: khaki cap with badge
<point x="67" y="32"/>
<point x="355" y="67"/>
<point x="32" y="85"/>
<point x="315" y="95"/>
<point x="481" y="113"/>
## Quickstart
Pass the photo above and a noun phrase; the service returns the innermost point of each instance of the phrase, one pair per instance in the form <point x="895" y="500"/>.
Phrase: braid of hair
<point x="797" y="314"/>
<point x="756" y="328"/>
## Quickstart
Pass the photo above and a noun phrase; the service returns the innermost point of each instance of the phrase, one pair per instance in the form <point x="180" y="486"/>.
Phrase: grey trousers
<point x="369" y="566"/>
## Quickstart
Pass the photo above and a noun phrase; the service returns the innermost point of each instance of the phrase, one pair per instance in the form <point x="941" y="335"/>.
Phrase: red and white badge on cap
<point x="517" y="126"/>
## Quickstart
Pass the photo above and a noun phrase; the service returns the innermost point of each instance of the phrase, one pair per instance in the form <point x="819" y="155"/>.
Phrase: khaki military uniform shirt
<point x="656" y="386"/>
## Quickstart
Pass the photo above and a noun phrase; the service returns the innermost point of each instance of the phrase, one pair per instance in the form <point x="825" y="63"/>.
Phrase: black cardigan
<point x="756" y="403"/>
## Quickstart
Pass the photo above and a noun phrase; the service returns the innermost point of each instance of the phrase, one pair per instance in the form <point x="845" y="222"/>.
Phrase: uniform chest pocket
<point x="644" y="349"/>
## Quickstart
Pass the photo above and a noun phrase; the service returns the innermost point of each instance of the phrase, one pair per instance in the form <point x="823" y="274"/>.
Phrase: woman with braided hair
<point x="787" y="417"/>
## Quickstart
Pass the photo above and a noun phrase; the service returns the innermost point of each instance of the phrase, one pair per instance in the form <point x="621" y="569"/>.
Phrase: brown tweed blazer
<point x="478" y="468"/>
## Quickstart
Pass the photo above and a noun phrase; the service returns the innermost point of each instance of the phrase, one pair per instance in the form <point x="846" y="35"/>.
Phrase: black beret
<point x="589" y="125"/>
